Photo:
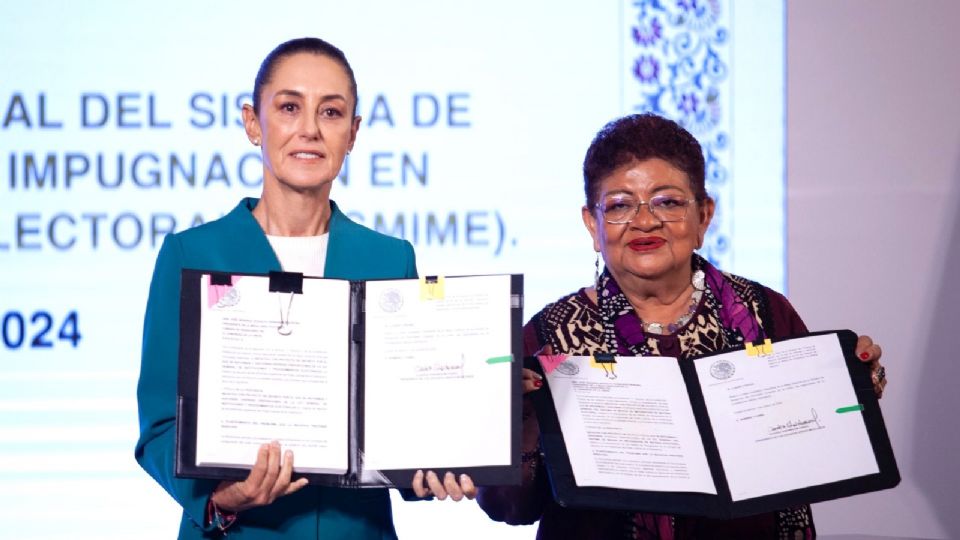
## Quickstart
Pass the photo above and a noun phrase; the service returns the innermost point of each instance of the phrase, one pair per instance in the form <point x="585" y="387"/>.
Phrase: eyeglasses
<point x="620" y="209"/>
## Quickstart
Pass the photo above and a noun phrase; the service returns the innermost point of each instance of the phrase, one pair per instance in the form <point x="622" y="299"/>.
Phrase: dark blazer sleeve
<point x="157" y="387"/>
<point x="786" y="321"/>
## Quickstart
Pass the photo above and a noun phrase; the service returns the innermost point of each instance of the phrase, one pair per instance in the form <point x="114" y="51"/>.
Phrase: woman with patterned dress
<point x="647" y="210"/>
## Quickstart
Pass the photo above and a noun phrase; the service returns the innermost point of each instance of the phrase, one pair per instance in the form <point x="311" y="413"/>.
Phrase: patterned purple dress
<point x="731" y="310"/>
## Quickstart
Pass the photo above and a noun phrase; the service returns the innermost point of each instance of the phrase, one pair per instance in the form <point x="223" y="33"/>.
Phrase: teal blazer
<point x="236" y="243"/>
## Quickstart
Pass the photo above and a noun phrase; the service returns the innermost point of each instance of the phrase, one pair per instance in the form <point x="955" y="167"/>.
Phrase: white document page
<point x="437" y="374"/>
<point x="778" y="418"/>
<point x="257" y="385"/>
<point x="629" y="425"/>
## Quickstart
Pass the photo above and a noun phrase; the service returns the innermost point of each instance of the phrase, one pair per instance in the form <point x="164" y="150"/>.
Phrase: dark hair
<point x="639" y="137"/>
<point x="295" y="46"/>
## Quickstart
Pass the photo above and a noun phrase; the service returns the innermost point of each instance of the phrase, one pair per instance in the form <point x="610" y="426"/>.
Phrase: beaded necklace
<point x="624" y="334"/>
<point x="698" y="286"/>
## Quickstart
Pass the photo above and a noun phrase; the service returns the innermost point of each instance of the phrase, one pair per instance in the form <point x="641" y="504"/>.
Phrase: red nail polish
<point x="538" y="384"/>
<point x="864" y="356"/>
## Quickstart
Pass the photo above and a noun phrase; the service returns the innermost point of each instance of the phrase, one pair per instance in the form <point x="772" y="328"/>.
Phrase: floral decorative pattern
<point x="646" y="69"/>
<point x="677" y="54"/>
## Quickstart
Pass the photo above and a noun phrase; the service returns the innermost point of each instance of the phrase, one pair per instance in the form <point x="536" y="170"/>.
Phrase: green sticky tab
<point x="500" y="359"/>
<point x="852" y="408"/>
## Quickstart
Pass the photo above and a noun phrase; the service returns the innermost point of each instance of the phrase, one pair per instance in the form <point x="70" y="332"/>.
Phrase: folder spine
<point x="355" y="420"/>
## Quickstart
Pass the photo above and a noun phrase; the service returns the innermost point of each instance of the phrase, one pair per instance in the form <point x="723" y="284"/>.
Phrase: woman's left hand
<point x="869" y="352"/>
<point x="426" y="484"/>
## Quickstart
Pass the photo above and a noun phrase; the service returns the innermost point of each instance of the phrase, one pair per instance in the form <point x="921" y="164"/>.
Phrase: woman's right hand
<point x="531" y="382"/>
<point x="269" y="479"/>
<point x="531" y="379"/>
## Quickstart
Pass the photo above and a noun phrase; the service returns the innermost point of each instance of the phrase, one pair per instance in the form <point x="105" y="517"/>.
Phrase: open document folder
<point x="731" y="434"/>
<point x="366" y="381"/>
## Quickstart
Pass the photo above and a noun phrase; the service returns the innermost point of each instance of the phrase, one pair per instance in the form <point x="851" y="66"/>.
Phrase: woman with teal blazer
<point x="304" y="118"/>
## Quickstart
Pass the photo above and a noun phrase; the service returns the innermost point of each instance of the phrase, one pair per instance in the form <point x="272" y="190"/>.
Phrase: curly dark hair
<point x="638" y="137"/>
<point x="310" y="45"/>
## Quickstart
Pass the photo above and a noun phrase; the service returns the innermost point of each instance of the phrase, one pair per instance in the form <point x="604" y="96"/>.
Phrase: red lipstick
<point x="646" y="243"/>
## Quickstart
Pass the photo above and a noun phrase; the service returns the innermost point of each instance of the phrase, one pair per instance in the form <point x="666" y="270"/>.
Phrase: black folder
<point x="356" y="475"/>
<point x="568" y="494"/>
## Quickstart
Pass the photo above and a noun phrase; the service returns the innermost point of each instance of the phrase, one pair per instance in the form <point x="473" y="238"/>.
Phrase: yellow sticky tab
<point x="431" y="288"/>
<point x="759" y="350"/>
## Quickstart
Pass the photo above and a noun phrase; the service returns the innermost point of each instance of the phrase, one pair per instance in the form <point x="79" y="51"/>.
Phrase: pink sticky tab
<point x="551" y="361"/>
<point x="219" y="294"/>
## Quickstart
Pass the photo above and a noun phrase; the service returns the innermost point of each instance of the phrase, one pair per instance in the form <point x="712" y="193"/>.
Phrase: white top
<point x="304" y="254"/>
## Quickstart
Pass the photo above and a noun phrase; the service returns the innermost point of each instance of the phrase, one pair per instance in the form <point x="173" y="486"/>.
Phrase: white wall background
<point x="873" y="167"/>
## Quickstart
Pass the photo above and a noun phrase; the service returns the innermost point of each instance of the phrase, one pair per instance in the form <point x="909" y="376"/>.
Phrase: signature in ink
<point x="444" y="369"/>
<point x="813" y="421"/>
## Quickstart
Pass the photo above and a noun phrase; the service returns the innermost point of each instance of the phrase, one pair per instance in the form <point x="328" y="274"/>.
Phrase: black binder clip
<point x="608" y="362"/>
<point x="218" y="278"/>
<point x="291" y="282"/>
<point x="605" y="358"/>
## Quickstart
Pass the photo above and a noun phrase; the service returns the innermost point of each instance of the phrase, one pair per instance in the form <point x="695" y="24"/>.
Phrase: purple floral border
<point x="677" y="60"/>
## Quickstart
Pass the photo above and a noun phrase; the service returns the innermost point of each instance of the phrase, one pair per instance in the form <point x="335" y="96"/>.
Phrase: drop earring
<point x="596" y="273"/>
